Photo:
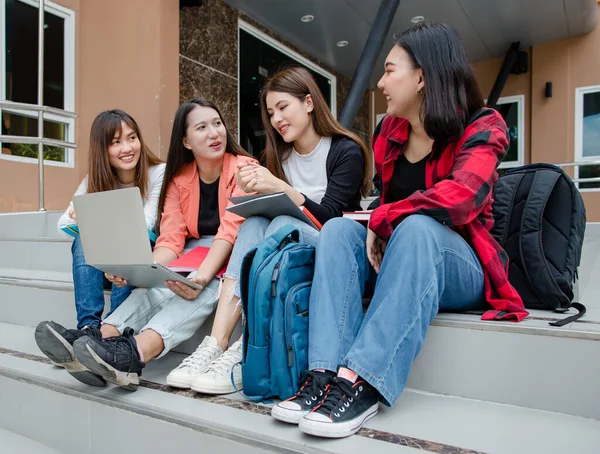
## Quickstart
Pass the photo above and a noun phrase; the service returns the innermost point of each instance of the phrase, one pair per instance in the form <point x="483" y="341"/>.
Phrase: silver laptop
<point x="115" y="239"/>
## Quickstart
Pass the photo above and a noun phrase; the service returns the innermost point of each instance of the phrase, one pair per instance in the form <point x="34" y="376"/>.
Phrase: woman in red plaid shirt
<point x="427" y="246"/>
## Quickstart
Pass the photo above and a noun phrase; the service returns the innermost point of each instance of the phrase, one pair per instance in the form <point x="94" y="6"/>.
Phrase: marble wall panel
<point x="208" y="36"/>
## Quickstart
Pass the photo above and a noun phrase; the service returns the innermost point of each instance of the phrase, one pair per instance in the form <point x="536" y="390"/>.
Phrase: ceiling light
<point x="342" y="44"/>
<point x="307" y="18"/>
<point x="417" y="19"/>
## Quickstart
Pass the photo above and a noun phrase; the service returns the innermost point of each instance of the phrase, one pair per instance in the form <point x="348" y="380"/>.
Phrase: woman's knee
<point x="342" y="229"/>
<point x="253" y="224"/>
<point x="418" y="226"/>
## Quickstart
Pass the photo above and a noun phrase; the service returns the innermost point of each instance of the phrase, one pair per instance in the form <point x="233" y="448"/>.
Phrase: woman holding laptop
<point x="118" y="159"/>
<point x="199" y="178"/>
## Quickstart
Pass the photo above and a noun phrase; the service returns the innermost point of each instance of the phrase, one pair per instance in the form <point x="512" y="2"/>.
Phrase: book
<point x="70" y="229"/>
<point x="73" y="230"/>
<point x="191" y="261"/>
<point x="270" y="206"/>
<point x="359" y="216"/>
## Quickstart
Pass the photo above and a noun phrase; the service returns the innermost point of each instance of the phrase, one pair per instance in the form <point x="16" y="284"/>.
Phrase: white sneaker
<point x="217" y="379"/>
<point x="195" y="364"/>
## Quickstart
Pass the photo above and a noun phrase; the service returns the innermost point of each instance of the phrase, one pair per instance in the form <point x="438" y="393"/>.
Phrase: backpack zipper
<point x="274" y="280"/>
<point x="290" y="355"/>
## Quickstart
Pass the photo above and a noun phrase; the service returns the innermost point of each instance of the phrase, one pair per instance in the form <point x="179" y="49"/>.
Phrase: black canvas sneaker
<point x="116" y="359"/>
<point x="344" y="410"/>
<point x="56" y="342"/>
<point x="310" y="394"/>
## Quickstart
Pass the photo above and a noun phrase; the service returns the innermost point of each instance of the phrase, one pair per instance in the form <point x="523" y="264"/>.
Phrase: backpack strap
<point x="581" y="310"/>
<point x="532" y="254"/>
<point x="285" y="234"/>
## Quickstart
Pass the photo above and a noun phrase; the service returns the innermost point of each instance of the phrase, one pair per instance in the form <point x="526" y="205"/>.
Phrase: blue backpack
<point x="275" y="283"/>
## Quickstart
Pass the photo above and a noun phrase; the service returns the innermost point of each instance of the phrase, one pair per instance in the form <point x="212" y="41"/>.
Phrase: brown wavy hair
<point x="298" y="82"/>
<point x="179" y="156"/>
<point x="101" y="176"/>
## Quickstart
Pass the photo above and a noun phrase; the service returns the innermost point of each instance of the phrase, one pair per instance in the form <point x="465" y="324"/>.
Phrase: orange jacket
<point x="182" y="205"/>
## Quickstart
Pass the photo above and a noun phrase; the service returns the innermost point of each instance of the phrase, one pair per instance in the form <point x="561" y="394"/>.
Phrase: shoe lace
<point x="313" y="386"/>
<point x="224" y="363"/>
<point x="334" y="398"/>
<point x="92" y="331"/>
<point x="201" y="356"/>
<point x="123" y="346"/>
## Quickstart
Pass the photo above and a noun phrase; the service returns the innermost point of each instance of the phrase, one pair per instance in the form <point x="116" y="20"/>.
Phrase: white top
<point x="155" y="174"/>
<point x="307" y="173"/>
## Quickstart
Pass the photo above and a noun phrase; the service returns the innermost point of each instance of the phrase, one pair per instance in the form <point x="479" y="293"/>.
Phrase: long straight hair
<point x="101" y="175"/>
<point x="298" y="82"/>
<point x="451" y="94"/>
<point x="179" y="156"/>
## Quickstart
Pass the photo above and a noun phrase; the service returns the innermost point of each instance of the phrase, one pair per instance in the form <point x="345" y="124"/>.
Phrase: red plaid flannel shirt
<point x="459" y="195"/>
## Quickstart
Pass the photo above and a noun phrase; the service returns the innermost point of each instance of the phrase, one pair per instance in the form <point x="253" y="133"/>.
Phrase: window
<point x="260" y="56"/>
<point x="587" y="135"/>
<point x="18" y="81"/>
<point x="512" y="110"/>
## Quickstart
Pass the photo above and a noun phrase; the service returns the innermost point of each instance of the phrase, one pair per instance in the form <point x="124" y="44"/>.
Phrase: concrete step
<point x="48" y="253"/>
<point x="29" y="225"/>
<point x="491" y="361"/>
<point x="45" y="404"/>
<point x="13" y="443"/>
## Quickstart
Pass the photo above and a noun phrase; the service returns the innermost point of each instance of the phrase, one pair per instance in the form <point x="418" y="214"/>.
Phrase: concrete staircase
<point x="475" y="387"/>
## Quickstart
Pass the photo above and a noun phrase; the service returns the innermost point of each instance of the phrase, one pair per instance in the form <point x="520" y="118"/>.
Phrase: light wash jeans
<point x="253" y="231"/>
<point x="89" y="284"/>
<point x="174" y="318"/>
<point x="426" y="268"/>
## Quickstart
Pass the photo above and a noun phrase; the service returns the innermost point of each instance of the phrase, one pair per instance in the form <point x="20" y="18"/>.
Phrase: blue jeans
<point x="253" y="231"/>
<point x="426" y="268"/>
<point x="89" y="283"/>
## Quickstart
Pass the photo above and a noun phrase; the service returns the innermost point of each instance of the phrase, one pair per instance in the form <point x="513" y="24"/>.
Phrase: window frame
<point x="520" y="100"/>
<point x="69" y="82"/>
<point x="578" y="149"/>
<point x="258" y="34"/>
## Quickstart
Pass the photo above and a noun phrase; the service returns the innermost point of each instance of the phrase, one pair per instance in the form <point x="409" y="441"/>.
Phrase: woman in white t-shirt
<point x="118" y="159"/>
<point x="321" y="166"/>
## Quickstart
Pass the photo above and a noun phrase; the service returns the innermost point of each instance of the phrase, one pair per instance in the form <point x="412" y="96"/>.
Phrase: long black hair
<point x="451" y="94"/>
<point x="179" y="156"/>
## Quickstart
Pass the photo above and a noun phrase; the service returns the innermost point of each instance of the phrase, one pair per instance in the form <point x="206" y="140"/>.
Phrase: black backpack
<point x="540" y="222"/>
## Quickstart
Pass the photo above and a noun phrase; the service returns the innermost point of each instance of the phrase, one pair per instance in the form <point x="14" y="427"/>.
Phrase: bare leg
<point x="150" y="344"/>
<point x="228" y="314"/>
<point x="109" y="331"/>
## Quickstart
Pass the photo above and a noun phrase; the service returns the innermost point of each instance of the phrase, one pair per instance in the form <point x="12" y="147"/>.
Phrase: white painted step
<point x="29" y="225"/>
<point x="48" y="253"/>
<point x="65" y="414"/>
<point x="13" y="443"/>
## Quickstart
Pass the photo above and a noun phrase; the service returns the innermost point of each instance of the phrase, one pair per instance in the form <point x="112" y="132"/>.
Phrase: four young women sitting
<point x="427" y="247"/>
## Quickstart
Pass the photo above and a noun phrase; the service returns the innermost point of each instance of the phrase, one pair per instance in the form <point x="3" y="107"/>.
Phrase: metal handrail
<point x="578" y="164"/>
<point x="582" y="164"/>
<point x="36" y="108"/>
<point x="37" y="140"/>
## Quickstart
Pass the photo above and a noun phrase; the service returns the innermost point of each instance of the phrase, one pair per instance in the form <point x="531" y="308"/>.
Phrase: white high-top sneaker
<point x="217" y="379"/>
<point x="195" y="364"/>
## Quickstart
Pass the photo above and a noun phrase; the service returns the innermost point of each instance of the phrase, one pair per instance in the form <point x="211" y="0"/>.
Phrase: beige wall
<point x="549" y="122"/>
<point x="126" y="56"/>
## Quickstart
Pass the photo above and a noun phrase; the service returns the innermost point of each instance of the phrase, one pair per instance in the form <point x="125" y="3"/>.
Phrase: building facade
<point x="146" y="56"/>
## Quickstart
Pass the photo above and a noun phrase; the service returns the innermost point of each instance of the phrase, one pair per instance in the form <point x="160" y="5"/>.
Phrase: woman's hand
<point x="72" y="215"/>
<point x="118" y="281"/>
<point x="252" y="177"/>
<point x="185" y="291"/>
<point x="375" y="249"/>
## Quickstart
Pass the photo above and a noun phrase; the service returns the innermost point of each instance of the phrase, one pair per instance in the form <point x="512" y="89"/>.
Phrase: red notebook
<point x="191" y="261"/>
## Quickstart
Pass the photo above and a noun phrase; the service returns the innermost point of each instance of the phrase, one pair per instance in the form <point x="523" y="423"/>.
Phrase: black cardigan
<point x="345" y="169"/>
